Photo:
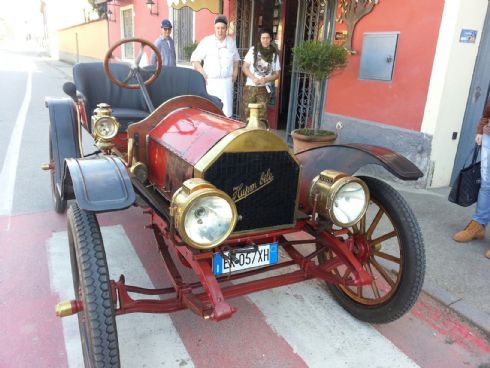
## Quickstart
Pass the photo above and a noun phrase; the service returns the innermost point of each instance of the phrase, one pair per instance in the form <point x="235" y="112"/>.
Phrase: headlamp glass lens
<point x="106" y="128"/>
<point x="208" y="219"/>
<point x="349" y="203"/>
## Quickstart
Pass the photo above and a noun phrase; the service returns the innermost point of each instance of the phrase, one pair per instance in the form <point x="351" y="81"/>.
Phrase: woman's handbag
<point x="467" y="184"/>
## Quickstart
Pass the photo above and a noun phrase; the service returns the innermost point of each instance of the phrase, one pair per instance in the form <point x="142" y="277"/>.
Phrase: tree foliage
<point x="355" y="9"/>
<point x="351" y="12"/>
<point x="101" y="9"/>
<point x="320" y="59"/>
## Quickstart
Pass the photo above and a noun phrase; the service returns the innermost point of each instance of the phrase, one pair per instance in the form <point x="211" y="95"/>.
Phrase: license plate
<point x="266" y="254"/>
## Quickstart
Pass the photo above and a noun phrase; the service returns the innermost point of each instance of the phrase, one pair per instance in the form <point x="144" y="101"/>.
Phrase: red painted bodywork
<point x="180" y="141"/>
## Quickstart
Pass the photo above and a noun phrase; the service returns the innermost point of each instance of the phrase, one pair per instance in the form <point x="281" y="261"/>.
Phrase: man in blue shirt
<point x="165" y="44"/>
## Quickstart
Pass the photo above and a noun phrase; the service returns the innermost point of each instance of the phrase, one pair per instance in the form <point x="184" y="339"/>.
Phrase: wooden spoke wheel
<point x="97" y="322"/>
<point x="388" y="243"/>
<point x="134" y="69"/>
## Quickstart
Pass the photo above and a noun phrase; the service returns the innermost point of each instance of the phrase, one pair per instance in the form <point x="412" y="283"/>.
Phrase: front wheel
<point x="389" y="245"/>
<point x="92" y="286"/>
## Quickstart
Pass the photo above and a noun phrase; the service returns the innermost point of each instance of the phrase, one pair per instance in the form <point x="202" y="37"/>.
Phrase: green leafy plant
<point x="189" y="49"/>
<point x="320" y="60"/>
<point x="99" y="7"/>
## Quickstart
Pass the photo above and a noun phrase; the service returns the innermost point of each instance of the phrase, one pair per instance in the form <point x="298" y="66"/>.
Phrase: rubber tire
<point x="413" y="254"/>
<point x="59" y="204"/>
<point x="97" y="321"/>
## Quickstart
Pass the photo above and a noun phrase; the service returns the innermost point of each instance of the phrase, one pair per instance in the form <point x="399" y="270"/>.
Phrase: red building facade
<point x="394" y="89"/>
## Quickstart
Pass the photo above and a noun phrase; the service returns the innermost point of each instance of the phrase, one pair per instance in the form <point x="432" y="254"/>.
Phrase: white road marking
<point x="10" y="162"/>
<point x="305" y="315"/>
<point x="145" y="340"/>
<point x="322" y="333"/>
<point x="62" y="284"/>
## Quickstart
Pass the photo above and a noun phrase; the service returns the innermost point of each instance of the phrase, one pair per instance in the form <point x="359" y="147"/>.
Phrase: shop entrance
<point x="292" y="22"/>
<point x="274" y="15"/>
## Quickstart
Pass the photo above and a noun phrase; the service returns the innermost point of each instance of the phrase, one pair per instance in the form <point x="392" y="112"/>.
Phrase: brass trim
<point x="64" y="309"/>
<point x="191" y="191"/>
<point x="130" y="151"/>
<point x="237" y="234"/>
<point x="323" y="189"/>
<point x="242" y="140"/>
<point x="253" y="119"/>
<point x="139" y="171"/>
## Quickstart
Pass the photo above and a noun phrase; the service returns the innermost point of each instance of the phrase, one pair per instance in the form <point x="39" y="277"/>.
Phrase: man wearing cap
<point x="220" y="56"/>
<point x="165" y="44"/>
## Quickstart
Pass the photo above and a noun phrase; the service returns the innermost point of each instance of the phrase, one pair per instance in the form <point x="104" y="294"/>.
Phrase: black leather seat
<point x="176" y="81"/>
<point x="128" y="105"/>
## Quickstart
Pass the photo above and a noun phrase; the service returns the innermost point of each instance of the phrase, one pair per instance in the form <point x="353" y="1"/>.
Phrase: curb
<point x="478" y="318"/>
<point x="63" y="67"/>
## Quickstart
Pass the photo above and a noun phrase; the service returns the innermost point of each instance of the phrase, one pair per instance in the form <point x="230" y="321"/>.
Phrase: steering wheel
<point x="133" y="67"/>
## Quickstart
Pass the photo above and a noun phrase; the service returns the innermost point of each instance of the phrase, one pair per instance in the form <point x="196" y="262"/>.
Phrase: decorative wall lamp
<point x="149" y="5"/>
<point x="110" y="16"/>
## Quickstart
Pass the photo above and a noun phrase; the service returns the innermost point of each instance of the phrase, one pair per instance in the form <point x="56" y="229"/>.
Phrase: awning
<point x="212" y="5"/>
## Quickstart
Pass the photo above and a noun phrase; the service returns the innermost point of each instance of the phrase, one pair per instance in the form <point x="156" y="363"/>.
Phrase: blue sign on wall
<point x="468" y="36"/>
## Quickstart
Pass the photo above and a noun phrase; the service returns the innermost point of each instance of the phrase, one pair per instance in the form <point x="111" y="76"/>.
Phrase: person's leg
<point x="248" y="97"/>
<point x="228" y="96"/>
<point x="476" y="228"/>
<point x="482" y="214"/>
<point x="223" y="89"/>
<point x="262" y="97"/>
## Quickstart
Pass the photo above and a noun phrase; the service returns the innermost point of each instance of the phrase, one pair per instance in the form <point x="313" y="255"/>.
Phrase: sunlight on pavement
<point x="16" y="60"/>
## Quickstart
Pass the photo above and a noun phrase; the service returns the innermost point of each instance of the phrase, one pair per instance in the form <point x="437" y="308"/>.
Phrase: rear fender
<point x="98" y="185"/>
<point x="63" y="129"/>
<point x="349" y="158"/>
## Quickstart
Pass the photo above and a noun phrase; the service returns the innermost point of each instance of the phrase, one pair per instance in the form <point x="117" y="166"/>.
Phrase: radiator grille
<point x="262" y="184"/>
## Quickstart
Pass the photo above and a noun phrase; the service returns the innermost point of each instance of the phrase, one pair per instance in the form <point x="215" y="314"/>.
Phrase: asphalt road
<point x="23" y="118"/>
<point x="26" y="79"/>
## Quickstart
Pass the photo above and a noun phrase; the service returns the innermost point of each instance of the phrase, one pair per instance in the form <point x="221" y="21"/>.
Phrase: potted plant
<point x="189" y="49"/>
<point x="320" y="60"/>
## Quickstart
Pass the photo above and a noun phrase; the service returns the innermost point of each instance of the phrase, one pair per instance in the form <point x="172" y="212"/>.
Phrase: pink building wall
<point x="400" y="102"/>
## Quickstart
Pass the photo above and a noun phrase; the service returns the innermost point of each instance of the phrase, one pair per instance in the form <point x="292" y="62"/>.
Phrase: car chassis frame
<point x="211" y="304"/>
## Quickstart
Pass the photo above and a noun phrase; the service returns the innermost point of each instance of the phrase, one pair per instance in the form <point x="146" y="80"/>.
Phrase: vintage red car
<point x="227" y="200"/>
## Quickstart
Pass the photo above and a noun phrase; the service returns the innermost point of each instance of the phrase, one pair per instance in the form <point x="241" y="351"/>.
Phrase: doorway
<point x="292" y="22"/>
<point x="287" y="62"/>
<point x="251" y="16"/>
<point x="479" y="93"/>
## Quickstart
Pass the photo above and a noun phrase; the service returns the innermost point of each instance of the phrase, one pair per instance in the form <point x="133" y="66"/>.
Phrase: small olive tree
<point x="320" y="60"/>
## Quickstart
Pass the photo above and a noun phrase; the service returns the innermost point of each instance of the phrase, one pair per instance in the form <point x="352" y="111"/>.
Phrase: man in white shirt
<point x="261" y="66"/>
<point x="220" y="70"/>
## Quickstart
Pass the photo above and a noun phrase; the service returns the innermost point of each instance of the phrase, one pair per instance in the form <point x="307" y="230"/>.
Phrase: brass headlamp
<point x="104" y="125"/>
<point x="343" y="199"/>
<point x="203" y="215"/>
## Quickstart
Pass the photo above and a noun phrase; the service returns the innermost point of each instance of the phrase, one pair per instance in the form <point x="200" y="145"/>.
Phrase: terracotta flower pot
<point x="302" y="142"/>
